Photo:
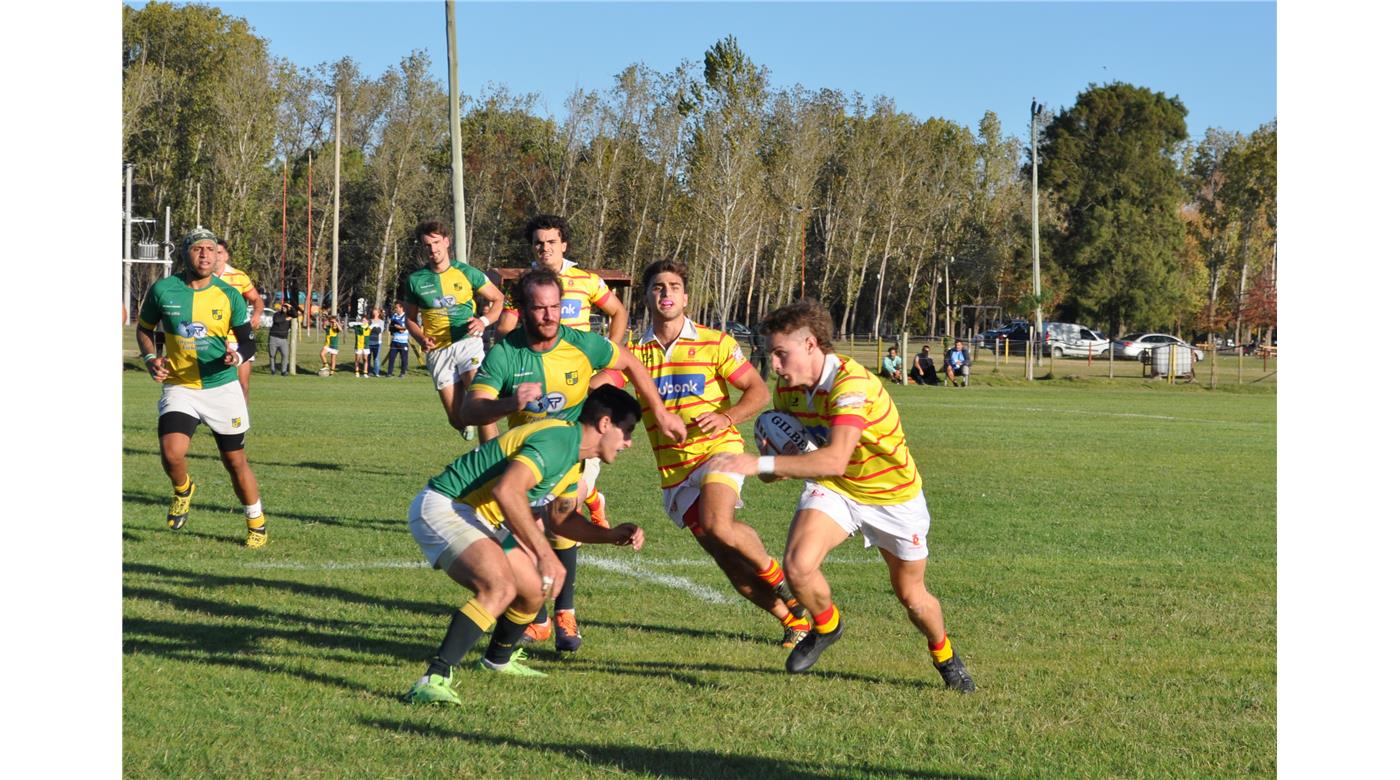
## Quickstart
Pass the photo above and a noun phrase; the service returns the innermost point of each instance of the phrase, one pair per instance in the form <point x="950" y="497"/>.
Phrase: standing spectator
<point x="376" y="336"/>
<point x="892" y="367"/>
<point x="955" y="363"/>
<point x="398" y="340"/>
<point x="924" y="372"/>
<point x="332" y="345"/>
<point x="278" y="351"/>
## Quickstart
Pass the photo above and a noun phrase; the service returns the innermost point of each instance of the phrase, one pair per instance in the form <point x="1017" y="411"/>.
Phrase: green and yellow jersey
<point x="563" y="370"/>
<point x="549" y="448"/>
<point x="197" y="325"/>
<point x="333" y="337"/>
<point x="446" y="300"/>
<point x="881" y="469"/>
<point x="361" y="330"/>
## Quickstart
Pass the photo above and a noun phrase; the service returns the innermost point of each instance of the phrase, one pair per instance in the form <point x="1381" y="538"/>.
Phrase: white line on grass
<point x="634" y="569"/>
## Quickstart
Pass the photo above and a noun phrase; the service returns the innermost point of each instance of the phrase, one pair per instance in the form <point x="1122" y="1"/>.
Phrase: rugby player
<point x="862" y="478"/>
<point x="445" y="294"/>
<point x="694" y="367"/>
<point x="244" y="285"/>
<point x="474" y="521"/>
<point x="542" y="370"/>
<point x="201" y="316"/>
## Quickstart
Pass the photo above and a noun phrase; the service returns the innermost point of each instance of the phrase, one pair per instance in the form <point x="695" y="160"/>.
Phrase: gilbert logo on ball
<point x="783" y="432"/>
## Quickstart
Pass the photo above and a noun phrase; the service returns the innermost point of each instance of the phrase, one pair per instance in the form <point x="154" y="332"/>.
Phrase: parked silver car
<point x="1140" y="345"/>
<point x="1068" y="338"/>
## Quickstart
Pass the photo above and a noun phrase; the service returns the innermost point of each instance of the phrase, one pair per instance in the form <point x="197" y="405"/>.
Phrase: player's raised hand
<point x="527" y="393"/>
<point x="629" y="534"/>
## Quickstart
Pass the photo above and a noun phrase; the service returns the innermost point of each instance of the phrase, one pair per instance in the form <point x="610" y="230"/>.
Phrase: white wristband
<point x="485" y="323"/>
<point x="765" y="464"/>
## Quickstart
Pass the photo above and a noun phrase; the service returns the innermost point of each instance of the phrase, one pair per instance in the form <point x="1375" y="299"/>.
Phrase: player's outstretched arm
<point x="670" y="423"/>
<point x="482" y="407"/>
<point x="564" y="520"/>
<point x="509" y="492"/>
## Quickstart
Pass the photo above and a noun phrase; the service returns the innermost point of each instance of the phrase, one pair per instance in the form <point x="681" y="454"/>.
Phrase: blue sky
<point x="953" y="60"/>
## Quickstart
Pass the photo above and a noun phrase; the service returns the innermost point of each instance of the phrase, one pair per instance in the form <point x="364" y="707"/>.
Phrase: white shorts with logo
<point x="678" y="499"/>
<point x="450" y="363"/>
<point x="899" y="528"/>
<point x="364" y="351"/>
<point x="222" y="408"/>
<point x="444" y="528"/>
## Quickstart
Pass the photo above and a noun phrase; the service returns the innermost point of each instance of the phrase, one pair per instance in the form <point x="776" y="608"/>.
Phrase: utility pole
<point x="335" y="220"/>
<point x="1035" y="216"/>
<point x="126" y="247"/>
<point x="459" y="217"/>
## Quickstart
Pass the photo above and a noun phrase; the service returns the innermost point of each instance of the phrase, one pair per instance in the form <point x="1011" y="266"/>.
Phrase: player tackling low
<point x="199" y="314"/>
<point x="474" y="521"/>
<point x="694" y="368"/>
<point x="861" y="478"/>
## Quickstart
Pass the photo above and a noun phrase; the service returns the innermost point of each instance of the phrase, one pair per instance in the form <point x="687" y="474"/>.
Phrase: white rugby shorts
<point x="450" y="363"/>
<point x="678" y="500"/>
<point x="899" y="528"/>
<point x="444" y="528"/>
<point x="222" y="408"/>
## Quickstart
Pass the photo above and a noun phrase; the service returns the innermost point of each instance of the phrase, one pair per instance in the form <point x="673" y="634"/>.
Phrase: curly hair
<point x="805" y="313"/>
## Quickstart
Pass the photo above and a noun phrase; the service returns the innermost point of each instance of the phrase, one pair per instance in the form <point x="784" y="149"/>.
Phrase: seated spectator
<point x="892" y="367"/>
<point x="923" y="371"/>
<point x="956" y="363"/>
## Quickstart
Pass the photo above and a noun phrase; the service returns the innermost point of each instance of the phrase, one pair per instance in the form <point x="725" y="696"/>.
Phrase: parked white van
<point x="1074" y="340"/>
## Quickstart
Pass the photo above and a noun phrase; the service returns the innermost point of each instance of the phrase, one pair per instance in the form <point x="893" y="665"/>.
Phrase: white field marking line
<point x="634" y="569"/>
<point x="1043" y="410"/>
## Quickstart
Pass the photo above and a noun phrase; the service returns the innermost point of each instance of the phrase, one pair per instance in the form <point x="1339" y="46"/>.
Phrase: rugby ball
<point x="323" y="371"/>
<point x="783" y="432"/>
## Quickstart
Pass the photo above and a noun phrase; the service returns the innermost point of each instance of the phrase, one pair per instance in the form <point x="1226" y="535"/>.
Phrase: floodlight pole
<point x="1035" y="218"/>
<point x="459" y="217"/>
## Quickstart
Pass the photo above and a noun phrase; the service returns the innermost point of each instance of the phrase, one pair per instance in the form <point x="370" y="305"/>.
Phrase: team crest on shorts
<point x="915" y="540"/>
<point x="238" y="423"/>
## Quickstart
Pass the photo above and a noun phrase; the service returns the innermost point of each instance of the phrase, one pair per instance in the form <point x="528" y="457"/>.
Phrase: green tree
<point x="1109" y="161"/>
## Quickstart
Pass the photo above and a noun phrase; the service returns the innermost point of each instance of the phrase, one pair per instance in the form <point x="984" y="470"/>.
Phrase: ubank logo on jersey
<point x="570" y="307"/>
<point x="680" y="386"/>
<point x="546" y="404"/>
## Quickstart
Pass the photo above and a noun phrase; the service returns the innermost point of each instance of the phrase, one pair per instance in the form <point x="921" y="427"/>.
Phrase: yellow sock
<point x="827" y="621"/>
<point x="801" y="623"/>
<point x="773" y="575"/>
<point x="185" y="488"/>
<point x="477" y="615"/>
<point x="942" y="651"/>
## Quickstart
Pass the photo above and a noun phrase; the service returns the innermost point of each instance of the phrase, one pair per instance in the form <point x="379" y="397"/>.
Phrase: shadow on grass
<point x="682" y="672"/>
<point x="361" y="524"/>
<point x="697" y="633"/>
<point x="258" y="462"/>
<point x="669" y="762"/>
<point x="300" y="589"/>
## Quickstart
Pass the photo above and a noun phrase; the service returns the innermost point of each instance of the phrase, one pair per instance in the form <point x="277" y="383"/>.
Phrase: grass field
<point x="1104" y="550"/>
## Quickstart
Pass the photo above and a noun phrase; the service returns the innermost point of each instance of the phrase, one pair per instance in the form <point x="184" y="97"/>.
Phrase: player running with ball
<point x="861" y="478"/>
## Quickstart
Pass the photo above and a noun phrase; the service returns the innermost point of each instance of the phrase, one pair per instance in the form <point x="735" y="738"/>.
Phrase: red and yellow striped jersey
<point x="582" y="291"/>
<point x="238" y="279"/>
<point x="692" y="377"/>
<point x="881" y="469"/>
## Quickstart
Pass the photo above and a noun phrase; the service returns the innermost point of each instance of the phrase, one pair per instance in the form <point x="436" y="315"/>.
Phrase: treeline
<point x="766" y="191"/>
